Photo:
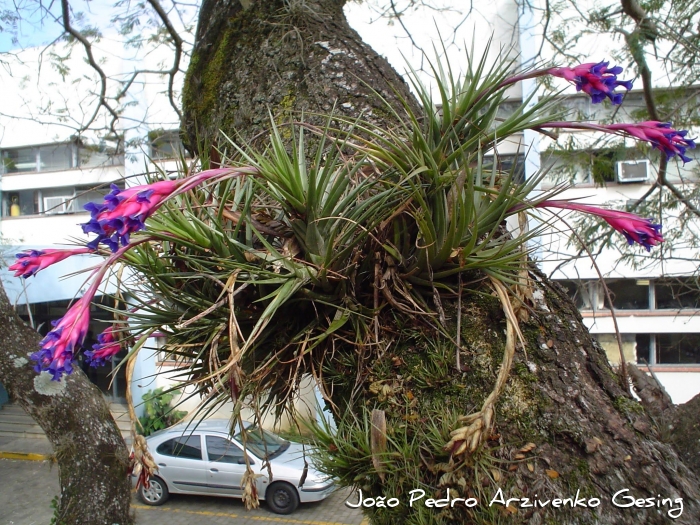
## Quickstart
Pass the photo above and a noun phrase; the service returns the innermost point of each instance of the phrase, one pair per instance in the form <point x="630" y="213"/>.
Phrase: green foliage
<point x="257" y="278"/>
<point x="54" y="506"/>
<point x="158" y="414"/>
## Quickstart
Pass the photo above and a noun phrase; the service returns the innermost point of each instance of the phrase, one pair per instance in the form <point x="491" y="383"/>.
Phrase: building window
<point x="677" y="293"/>
<point x="627" y="294"/>
<point x="23" y="202"/>
<point x="678" y="348"/>
<point x="94" y="156"/>
<point x="644" y="349"/>
<point x="507" y="164"/>
<point x="19" y="160"/>
<point x="54" y="157"/>
<point x="52" y="201"/>
<point x="582" y="293"/>
<point x="58" y="157"/>
<point x="668" y="349"/>
<point x="57" y="200"/>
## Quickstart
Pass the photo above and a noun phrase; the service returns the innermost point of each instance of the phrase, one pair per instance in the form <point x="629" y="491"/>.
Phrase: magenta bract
<point x="59" y="347"/>
<point x="596" y="79"/>
<point x="31" y="262"/>
<point x="633" y="227"/>
<point x="124" y="212"/>
<point x="107" y="347"/>
<point x="661" y="135"/>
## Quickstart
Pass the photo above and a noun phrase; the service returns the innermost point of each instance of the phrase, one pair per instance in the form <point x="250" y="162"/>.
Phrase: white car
<point x="205" y="459"/>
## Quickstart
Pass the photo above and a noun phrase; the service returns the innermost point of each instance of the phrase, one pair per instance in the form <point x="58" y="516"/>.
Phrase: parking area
<point x="27" y="488"/>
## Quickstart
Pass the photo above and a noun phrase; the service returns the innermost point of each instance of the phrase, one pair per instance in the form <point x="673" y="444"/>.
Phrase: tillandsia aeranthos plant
<point x="290" y="263"/>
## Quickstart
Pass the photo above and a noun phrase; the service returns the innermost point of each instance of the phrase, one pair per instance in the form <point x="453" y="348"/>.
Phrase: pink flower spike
<point x="31" y="262"/>
<point x="124" y="212"/>
<point x="596" y="79"/>
<point x="59" y="347"/>
<point x="661" y="135"/>
<point x="633" y="227"/>
<point x="108" y="346"/>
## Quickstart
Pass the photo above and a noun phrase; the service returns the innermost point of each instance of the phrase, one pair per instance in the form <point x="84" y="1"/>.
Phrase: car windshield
<point x="263" y="443"/>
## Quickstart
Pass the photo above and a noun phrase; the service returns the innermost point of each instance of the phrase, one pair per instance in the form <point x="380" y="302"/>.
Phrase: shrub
<point x="158" y="413"/>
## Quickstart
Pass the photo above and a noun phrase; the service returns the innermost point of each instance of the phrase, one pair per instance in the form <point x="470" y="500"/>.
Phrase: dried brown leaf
<point x="528" y="448"/>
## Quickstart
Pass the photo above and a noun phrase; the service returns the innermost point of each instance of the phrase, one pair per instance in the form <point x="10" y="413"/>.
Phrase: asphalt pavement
<point x="28" y="486"/>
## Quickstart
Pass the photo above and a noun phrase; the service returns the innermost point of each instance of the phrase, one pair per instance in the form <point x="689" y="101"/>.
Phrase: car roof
<point x="206" y="425"/>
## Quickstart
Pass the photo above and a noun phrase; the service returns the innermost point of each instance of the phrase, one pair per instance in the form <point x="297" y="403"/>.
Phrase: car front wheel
<point x="156" y="493"/>
<point x="282" y="498"/>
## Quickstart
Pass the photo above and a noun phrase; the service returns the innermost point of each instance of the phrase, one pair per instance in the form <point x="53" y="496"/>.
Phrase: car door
<point x="225" y="466"/>
<point x="181" y="465"/>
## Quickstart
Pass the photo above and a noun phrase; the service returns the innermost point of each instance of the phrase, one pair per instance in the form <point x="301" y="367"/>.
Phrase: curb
<point x="27" y="456"/>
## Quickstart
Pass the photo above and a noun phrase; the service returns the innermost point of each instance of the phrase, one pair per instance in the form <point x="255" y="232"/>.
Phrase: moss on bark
<point x="277" y="58"/>
<point x="590" y="437"/>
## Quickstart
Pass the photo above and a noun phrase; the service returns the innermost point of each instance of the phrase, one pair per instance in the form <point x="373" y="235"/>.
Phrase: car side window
<point x="188" y="447"/>
<point x="222" y="450"/>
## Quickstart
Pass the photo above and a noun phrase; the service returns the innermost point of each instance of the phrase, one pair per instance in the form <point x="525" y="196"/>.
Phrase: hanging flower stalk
<point x="659" y="134"/>
<point x="594" y="78"/>
<point x="59" y="348"/>
<point x="124" y="212"/>
<point x="31" y="262"/>
<point x="108" y="346"/>
<point x="632" y="226"/>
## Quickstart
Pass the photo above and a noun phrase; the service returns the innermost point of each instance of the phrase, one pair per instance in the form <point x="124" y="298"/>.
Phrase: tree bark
<point x="91" y="455"/>
<point x="563" y="424"/>
<point x="288" y="59"/>
<point x="588" y="434"/>
<point x="678" y="424"/>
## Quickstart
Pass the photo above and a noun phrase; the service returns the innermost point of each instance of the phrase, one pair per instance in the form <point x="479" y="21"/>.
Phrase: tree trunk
<point x="563" y="424"/>
<point x="88" y="447"/>
<point x="288" y="59"/>
<point x="588" y="435"/>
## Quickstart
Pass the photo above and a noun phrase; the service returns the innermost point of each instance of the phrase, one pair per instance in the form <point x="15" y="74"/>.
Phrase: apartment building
<point x="48" y="173"/>
<point x="655" y="299"/>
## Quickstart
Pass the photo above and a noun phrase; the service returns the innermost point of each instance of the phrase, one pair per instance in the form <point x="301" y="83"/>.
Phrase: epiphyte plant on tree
<point x="292" y="262"/>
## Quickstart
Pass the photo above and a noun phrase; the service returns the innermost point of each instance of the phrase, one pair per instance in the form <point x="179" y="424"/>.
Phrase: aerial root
<point x="479" y="424"/>
<point x="141" y="463"/>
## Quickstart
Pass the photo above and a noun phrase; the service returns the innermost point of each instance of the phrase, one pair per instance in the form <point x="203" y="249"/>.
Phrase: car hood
<point x="292" y="461"/>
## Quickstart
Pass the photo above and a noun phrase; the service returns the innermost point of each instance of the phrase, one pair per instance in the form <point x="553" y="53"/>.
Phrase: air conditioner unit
<point x="632" y="171"/>
<point x="60" y="204"/>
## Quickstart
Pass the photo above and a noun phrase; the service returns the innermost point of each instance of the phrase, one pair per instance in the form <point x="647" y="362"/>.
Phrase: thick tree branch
<point x="646" y="30"/>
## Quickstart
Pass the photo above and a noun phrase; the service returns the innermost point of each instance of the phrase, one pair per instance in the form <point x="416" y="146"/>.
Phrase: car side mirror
<point x="241" y="461"/>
